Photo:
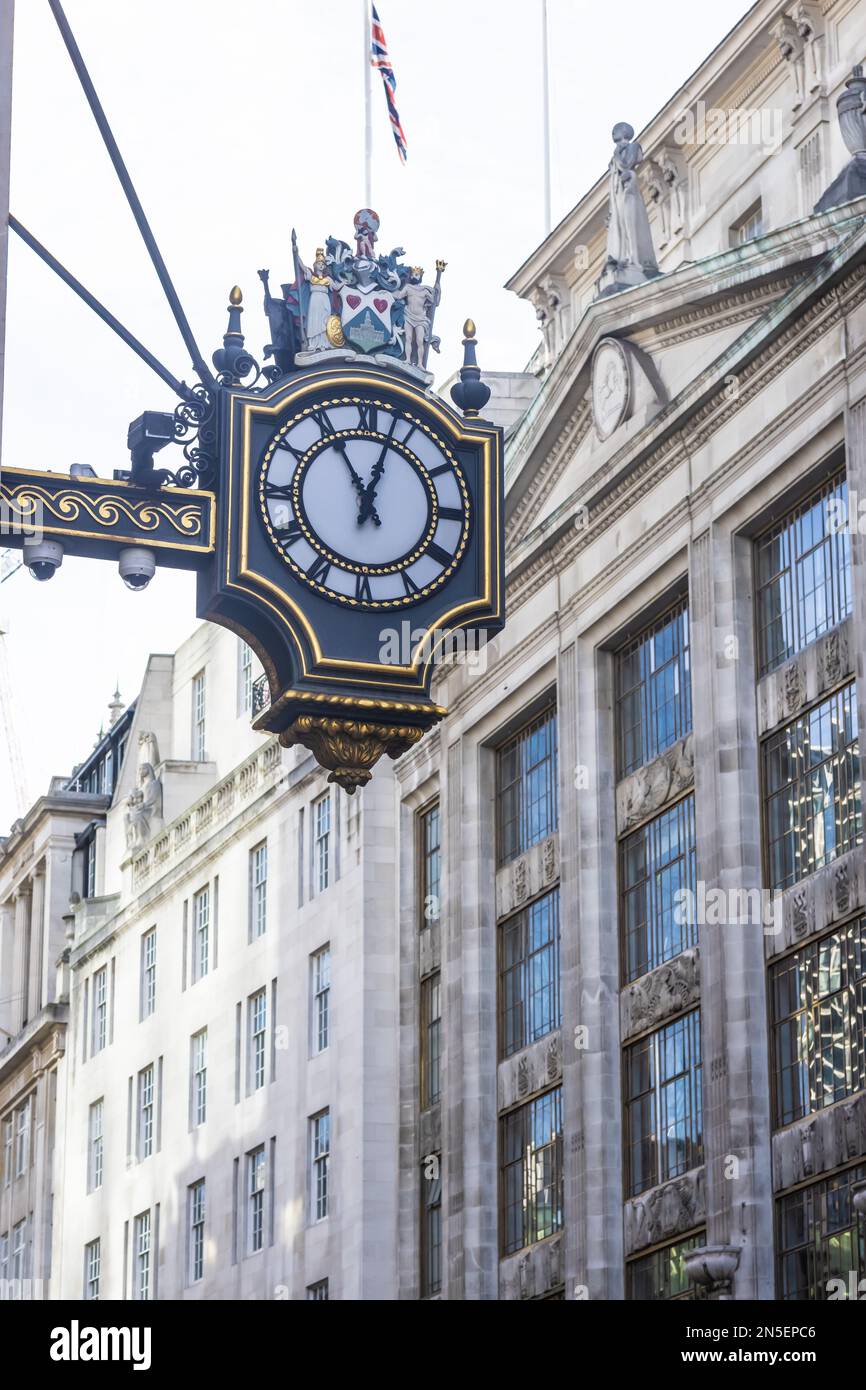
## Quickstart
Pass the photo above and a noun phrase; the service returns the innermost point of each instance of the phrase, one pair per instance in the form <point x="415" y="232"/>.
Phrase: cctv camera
<point x="137" y="567"/>
<point x="42" y="558"/>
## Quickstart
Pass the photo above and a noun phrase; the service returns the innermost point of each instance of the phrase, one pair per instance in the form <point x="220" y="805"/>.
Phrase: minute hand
<point x="368" y="496"/>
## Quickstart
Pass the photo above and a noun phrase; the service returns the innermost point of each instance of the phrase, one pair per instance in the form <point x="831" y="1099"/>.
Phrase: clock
<point x="365" y="501"/>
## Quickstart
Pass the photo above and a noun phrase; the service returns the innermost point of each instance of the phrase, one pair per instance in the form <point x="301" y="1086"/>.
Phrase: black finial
<point x="470" y="394"/>
<point x="232" y="359"/>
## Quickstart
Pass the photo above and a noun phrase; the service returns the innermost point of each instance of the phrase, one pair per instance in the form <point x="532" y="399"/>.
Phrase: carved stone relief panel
<point x="429" y="948"/>
<point x="813" y="905"/>
<point x="533" y="1069"/>
<point x="647" y="791"/>
<point x="665" y="1211"/>
<point x="801" y="681"/>
<point x="430" y="1132"/>
<point x="820" y="1143"/>
<point x="667" y="990"/>
<point x="533" y="1272"/>
<point x="525" y="877"/>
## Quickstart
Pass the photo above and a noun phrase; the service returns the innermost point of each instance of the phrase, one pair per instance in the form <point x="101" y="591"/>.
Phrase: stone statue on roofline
<point x="630" y="255"/>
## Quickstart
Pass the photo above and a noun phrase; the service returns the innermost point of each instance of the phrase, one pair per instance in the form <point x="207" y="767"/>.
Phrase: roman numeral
<point x="362" y="588"/>
<point x="368" y="416"/>
<point x="450" y="514"/>
<point x="288" y="534"/>
<point x="408" y="584"/>
<point x="282" y="490"/>
<point x="322" y="419"/>
<point x="443" y="468"/>
<point x="438" y="554"/>
<point x="297" y="454"/>
<point x="319" y="569"/>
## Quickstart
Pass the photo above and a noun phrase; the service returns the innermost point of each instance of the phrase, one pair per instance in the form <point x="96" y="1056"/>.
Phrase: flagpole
<point x="545" y="82"/>
<point x="368" y="105"/>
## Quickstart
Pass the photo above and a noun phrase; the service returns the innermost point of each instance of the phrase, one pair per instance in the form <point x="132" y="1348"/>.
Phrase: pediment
<point x="684" y="331"/>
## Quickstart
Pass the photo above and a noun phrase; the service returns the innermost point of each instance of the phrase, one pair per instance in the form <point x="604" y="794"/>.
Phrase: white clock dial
<point x="365" y="502"/>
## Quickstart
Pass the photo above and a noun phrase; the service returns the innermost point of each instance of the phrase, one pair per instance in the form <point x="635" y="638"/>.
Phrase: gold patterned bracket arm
<point x="97" y="517"/>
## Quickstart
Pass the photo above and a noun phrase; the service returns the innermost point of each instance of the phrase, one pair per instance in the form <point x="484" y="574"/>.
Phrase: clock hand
<point x="357" y="480"/>
<point x="366" y="508"/>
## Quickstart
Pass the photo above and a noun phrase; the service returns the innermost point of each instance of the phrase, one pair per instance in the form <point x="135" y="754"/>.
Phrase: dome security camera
<point x="43" y="558"/>
<point x="137" y="567"/>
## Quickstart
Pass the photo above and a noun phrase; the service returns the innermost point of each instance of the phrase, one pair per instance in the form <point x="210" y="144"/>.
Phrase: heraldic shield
<point x="366" y="315"/>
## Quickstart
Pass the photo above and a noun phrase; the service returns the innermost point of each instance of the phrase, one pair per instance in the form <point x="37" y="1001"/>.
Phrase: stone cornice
<point x="40" y="1045"/>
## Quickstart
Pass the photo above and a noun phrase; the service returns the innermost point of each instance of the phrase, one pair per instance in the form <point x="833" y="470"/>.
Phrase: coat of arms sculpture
<point x="354" y="303"/>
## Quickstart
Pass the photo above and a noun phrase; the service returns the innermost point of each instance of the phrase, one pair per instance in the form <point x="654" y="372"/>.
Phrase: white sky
<point x="237" y="122"/>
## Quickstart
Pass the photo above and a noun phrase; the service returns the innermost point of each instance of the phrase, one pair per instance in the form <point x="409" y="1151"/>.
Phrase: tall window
<point x="653" y="690"/>
<point x="199" y="1078"/>
<point x="321" y="985"/>
<point x="255" y="1200"/>
<point x="320" y="1138"/>
<point x="431" y="865"/>
<point x="92" y="1270"/>
<point x="821" y="1238"/>
<point x="531" y="1171"/>
<point x="95" y="1141"/>
<point x="529" y="991"/>
<point x="258" y="891"/>
<point x="141" y="1256"/>
<point x="7" y="1151"/>
<point x="20" y="1251"/>
<point x="431" y="1040"/>
<point x="199" y="746"/>
<point x="100" y="1009"/>
<point x="90" y="867"/>
<point x="246" y="678"/>
<point x="201" y="934"/>
<point x="318" y="1293"/>
<point x="145" y="1112"/>
<point x="195" y="1210"/>
<point x="803" y="572"/>
<point x="819" y="1023"/>
<point x="812" y="789"/>
<point x="526" y="787"/>
<point x="657" y="863"/>
<point x="662" y="1275"/>
<point x="664" y="1118"/>
<point x="322" y="842"/>
<point x="148" y="973"/>
<point x="22" y="1138"/>
<point x="257" y="1015"/>
<point x="431" y="1226"/>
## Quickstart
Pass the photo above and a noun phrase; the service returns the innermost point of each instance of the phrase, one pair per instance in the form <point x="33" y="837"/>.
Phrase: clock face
<point x="364" y="502"/>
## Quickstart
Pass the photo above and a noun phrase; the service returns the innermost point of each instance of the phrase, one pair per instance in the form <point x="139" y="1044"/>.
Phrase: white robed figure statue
<point x="319" y="308"/>
<point x="630" y="255"/>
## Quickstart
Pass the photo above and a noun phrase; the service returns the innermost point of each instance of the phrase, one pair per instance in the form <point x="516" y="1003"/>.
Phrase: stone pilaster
<point x="469" y="1118"/>
<point x="8" y="1013"/>
<point x="21" y="968"/>
<point x="728" y="827"/>
<point x="855" y="464"/>
<point x="593" y="1165"/>
<point x="38" y="934"/>
<point x="569" y="916"/>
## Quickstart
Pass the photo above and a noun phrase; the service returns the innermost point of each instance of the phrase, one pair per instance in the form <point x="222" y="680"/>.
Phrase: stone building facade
<point x="569" y="1002"/>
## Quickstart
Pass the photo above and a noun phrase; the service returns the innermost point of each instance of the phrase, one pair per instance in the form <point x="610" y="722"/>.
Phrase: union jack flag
<point x="379" y="59"/>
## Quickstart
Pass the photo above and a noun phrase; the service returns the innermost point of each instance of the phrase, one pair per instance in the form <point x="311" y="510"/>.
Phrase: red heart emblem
<point x="353" y="300"/>
<point x="381" y="305"/>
